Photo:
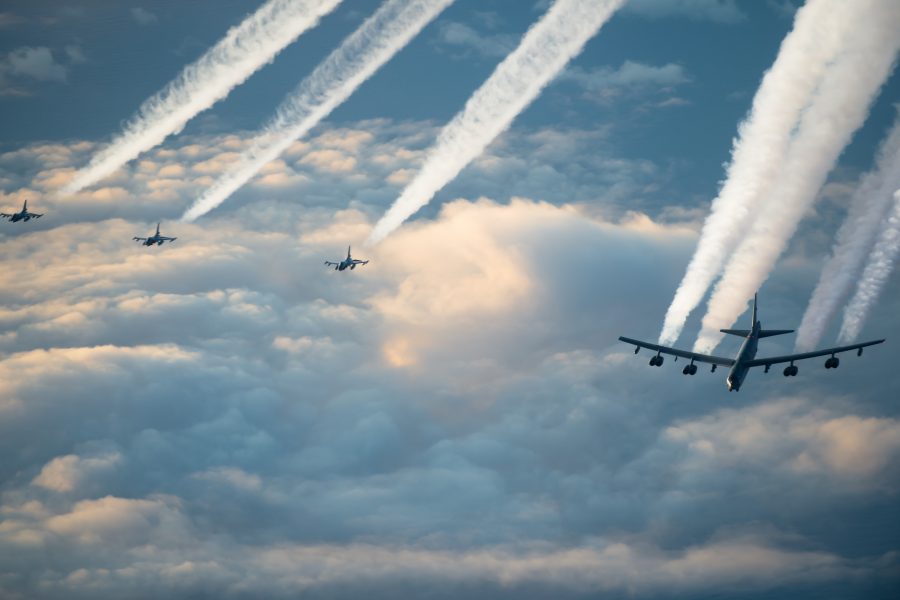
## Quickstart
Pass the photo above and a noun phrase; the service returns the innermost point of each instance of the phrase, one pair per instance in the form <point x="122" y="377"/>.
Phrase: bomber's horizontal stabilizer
<point x="737" y="332"/>
<point x="770" y="332"/>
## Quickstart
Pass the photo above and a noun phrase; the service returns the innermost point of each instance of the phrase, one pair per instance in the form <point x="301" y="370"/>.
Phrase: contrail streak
<point x="546" y="48"/>
<point x="820" y="28"/>
<point x="242" y="52"/>
<point x="869" y="207"/>
<point x="875" y="275"/>
<point x="376" y="41"/>
<point x="826" y="126"/>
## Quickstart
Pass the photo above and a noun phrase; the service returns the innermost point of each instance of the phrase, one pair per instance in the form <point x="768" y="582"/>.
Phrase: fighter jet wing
<point x="139" y="239"/>
<point x="328" y="263"/>
<point x="167" y="239"/>
<point x="360" y="262"/>
<point x="773" y="360"/>
<point x="694" y="356"/>
<point x="35" y="215"/>
<point x="6" y="215"/>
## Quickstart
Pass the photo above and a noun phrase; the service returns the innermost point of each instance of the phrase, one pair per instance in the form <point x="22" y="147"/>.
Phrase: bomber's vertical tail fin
<point x="753" y="324"/>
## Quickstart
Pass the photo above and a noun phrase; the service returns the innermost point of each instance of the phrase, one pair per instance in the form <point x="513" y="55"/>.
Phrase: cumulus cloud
<point x="224" y="416"/>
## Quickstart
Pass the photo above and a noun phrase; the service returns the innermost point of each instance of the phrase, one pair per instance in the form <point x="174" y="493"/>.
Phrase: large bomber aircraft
<point x="154" y="239"/>
<point x="746" y="356"/>
<point x="22" y="215"/>
<point x="347" y="262"/>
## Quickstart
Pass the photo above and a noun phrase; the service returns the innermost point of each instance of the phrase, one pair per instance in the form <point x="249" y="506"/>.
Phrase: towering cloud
<point x="838" y="108"/>
<point x="376" y="41"/>
<point x="878" y="269"/>
<point x="869" y="207"/>
<point x="820" y="32"/>
<point x="546" y="48"/>
<point x="242" y="52"/>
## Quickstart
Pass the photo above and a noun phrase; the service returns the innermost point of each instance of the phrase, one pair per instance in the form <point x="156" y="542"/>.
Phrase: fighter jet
<point x="347" y="262"/>
<point x="22" y="215"/>
<point x="746" y="356"/>
<point x="154" y="239"/>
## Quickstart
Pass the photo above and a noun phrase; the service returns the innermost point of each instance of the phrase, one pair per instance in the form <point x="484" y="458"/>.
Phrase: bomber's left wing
<point x="694" y="356"/>
<point x="773" y="360"/>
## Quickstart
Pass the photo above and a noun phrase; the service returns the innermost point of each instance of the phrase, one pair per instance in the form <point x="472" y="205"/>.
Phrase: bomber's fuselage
<point x="747" y="353"/>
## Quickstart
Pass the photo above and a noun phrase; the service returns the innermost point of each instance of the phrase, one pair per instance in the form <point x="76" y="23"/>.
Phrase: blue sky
<point x="223" y="417"/>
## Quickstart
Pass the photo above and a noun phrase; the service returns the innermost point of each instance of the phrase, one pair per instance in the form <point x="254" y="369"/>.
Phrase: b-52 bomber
<point x="154" y="239"/>
<point x="746" y="356"/>
<point x="22" y="215"/>
<point x="348" y="262"/>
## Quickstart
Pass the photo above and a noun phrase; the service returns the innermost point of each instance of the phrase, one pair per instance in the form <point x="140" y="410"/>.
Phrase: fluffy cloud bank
<point x="224" y="416"/>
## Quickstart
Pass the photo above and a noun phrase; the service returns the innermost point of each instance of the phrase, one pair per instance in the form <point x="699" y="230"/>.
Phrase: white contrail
<point x="242" y="52"/>
<point x="820" y="28"/>
<point x="543" y="52"/>
<point x="373" y="44"/>
<point x="869" y="207"/>
<point x="826" y="126"/>
<point x="878" y="269"/>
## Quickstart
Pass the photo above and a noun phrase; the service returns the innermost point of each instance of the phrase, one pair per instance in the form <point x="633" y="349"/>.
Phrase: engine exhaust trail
<point x="244" y="50"/>
<point x="543" y="52"/>
<point x="820" y="28"/>
<point x="365" y="51"/>
<point x="875" y="275"/>
<point x="838" y="109"/>
<point x="870" y="205"/>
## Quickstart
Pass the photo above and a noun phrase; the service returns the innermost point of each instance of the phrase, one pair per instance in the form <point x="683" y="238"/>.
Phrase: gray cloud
<point x="143" y="17"/>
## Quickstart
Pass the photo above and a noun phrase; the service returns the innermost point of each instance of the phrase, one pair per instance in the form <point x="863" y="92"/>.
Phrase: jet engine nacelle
<point x="690" y="369"/>
<point x="656" y="361"/>
<point x="832" y="363"/>
<point x="791" y="371"/>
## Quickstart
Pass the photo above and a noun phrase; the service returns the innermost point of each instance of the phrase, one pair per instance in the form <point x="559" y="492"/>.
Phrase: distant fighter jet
<point x="154" y="239"/>
<point x="746" y="357"/>
<point x="22" y="215"/>
<point x="347" y="262"/>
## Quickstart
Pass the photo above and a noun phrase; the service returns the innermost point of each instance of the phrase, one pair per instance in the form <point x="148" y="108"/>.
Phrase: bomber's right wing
<point x="772" y="360"/>
<point x="694" y="356"/>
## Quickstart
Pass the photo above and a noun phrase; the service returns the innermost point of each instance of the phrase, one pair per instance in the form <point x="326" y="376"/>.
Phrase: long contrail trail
<point x="543" y="52"/>
<point x="820" y="28"/>
<point x="243" y="51"/>
<point x="870" y="205"/>
<point x="875" y="275"/>
<point x="376" y="41"/>
<point x="839" y="108"/>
